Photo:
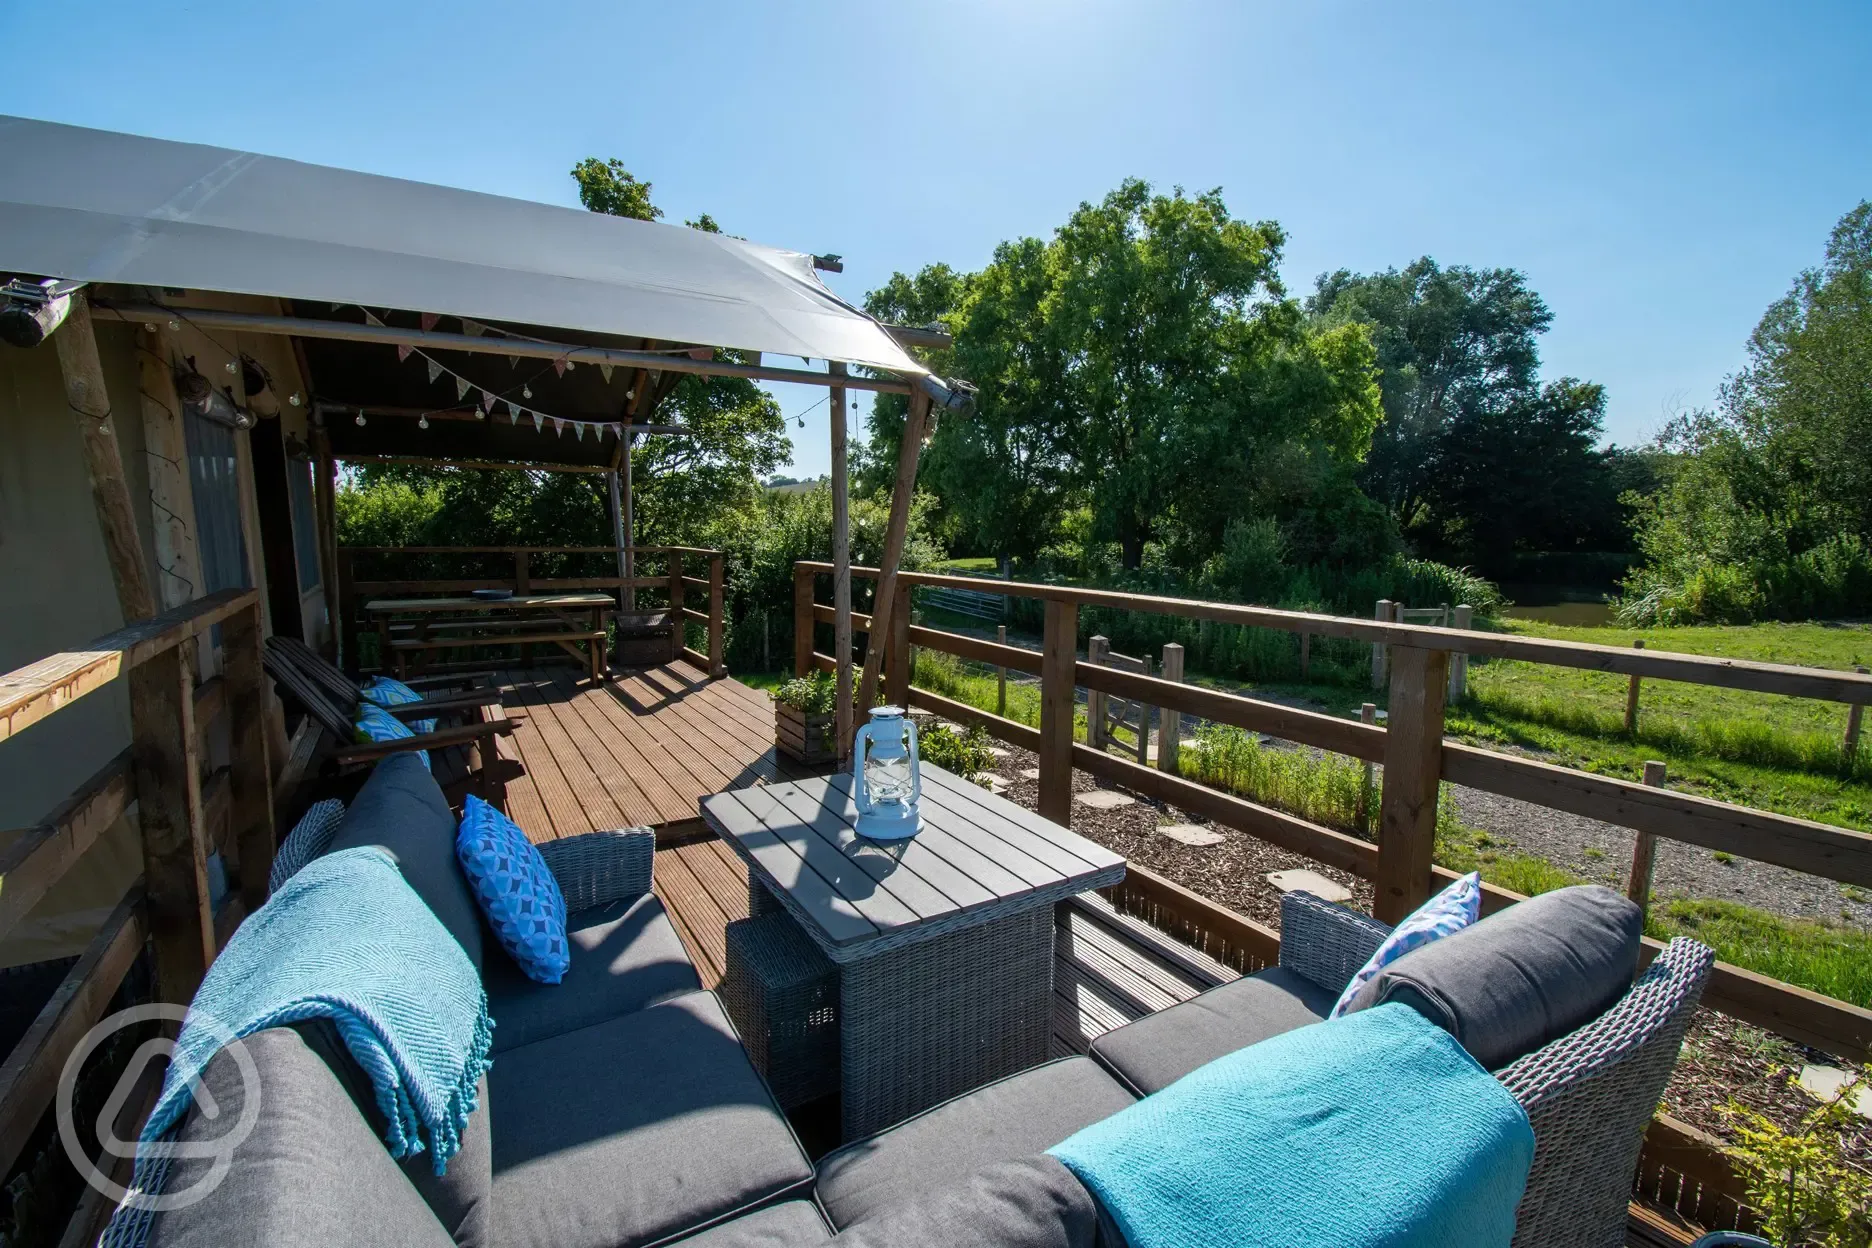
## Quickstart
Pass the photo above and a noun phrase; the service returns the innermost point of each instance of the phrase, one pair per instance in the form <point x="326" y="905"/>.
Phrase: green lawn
<point x="975" y="563"/>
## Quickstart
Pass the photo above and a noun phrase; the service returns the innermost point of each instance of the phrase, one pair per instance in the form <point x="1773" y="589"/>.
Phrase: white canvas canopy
<point x="98" y="206"/>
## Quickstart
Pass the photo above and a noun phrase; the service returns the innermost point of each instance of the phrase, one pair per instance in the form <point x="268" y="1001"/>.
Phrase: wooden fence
<point x="184" y="811"/>
<point x="674" y="585"/>
<point x="1415" y="757"/>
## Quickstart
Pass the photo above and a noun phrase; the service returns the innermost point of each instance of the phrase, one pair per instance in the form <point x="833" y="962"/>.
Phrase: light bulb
<point x="526" y="392"/>
<point x="229" y="366"/>
<point x="294" y="398"/>
<point x="570" y="365"/>
<point x="360" y="420"/>
<point x="422" y="422"/>
<point x="175" y="326"/>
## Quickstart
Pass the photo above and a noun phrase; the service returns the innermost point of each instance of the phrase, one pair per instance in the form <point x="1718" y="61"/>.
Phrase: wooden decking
<point x="641" y="749"/>
<point x="1110" y="968"/>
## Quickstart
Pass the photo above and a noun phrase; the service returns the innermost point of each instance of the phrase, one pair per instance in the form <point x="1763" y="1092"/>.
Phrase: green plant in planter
<point x="813" y="694"/>
<point x="1807" y="1192"/>
<point x="963" y="754"/>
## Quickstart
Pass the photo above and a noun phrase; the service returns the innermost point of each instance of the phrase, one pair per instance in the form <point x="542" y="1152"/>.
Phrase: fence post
<point x="716" y="623"/>
<point x="1368" y="714"/>
<point x="897" y="658"/>
<point x="523" y="571"/>
<point x="1059" y="653"/>
<point x="1413" y="768"/>
<point x="802" y="620"/>
<point x="1849" y="748"/>
<point x="1144" y="718"/>
<point x="1001" y="676"/>
<point x="1459" y="661"/>
<point x="1644" y="848"/>
<point x="1306" y="654"/>
<point x="1381" y="613"/>
<point x="1169" y="722"/>
<point x="166" y="759"/>
<point x="1096" y="650"/>
<point x="679" y="632"/>
<point x="1631" y="698"/>
<point x="250" y="788"/>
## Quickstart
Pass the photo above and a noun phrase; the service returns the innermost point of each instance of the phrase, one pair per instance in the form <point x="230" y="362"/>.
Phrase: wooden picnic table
<point x="480" y="627"/>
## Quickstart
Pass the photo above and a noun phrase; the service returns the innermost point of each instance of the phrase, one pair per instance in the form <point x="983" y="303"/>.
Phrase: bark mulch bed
<point x="1723" y="1060"/>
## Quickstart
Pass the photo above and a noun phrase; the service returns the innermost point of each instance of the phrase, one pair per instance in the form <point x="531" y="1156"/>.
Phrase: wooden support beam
<point x="843" y="725"/>
<point x="250" y="777"/>
<point x="716" y="619"/>
<point x="324" y="508"/>
<point x="897" y="671"/>
<point x="165" y="451"/>
<point x="1059" y="654"/>
<point x="1413" y="769"/>
<point x="38" y="858"/>
<point x="802" y="620"/>
<point x="916" y="423"/>
<point x="90" y="404"/>
<point x="166" y="761"/>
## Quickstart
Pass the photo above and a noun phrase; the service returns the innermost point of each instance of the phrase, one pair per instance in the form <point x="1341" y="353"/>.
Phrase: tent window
<point x="304" y="523"/>
<point x="212" y="469"/>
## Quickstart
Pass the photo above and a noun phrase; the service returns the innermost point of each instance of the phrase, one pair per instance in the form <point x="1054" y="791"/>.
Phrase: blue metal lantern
<point x="886" y="780"/>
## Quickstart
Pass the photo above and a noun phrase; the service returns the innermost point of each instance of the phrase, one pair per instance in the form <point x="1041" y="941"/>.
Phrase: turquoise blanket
<point x="1374" y="1130"/>
<point x="347" y="939"/>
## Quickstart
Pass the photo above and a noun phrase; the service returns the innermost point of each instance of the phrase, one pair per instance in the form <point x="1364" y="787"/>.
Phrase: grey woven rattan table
<point x="943" y="942"/>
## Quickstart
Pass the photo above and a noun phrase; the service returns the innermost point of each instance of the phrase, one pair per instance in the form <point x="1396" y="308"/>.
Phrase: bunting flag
<point x="403" y="353"/>
<point x="487" y="401"/>
<point x="428" y="320"/>
<point x="605" y="371"/>
<point x="513" y="412"/>
<point x="474" y="329"/>
<point x="370" y="318"/>
<point x="560" y="366"/>
<point x="513" y="361"/>
<point x="435" y="369"/>
<point x="578" y="430"/>
<point x="558" y="426"/>
<point x="539" y="423"/>
<point x="461" y="386"/>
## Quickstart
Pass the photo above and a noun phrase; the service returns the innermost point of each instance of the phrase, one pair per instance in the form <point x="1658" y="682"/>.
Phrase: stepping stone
<point x="1304" y="881"/>
<point x="1825" y="1083"/>
<point x="1103" y="799"/>
<point x="993" y="783"/>
<point x="1030" y="773"/>
<point x="997" y="752"/>
<point x="1191" y="834"/>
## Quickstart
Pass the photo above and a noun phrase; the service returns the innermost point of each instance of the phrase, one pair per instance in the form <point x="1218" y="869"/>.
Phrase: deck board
<point x="639" y="750"/>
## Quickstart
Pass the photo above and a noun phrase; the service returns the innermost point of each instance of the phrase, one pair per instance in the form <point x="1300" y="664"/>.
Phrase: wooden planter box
<point x="809" y="738"/>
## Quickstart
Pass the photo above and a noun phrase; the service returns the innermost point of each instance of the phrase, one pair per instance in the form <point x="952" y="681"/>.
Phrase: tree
<point x="1452" y="343"/>
<point x="607" y="186"/>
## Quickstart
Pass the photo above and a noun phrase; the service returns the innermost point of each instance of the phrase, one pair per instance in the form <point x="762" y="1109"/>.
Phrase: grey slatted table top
<point x="979" y="857"/>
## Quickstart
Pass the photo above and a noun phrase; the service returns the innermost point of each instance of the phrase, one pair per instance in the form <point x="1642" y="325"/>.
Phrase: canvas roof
<point x="100" y="206"/>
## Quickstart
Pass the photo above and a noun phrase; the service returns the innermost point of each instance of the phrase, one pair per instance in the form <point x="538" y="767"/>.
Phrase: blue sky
<point x="1660" y="171"/>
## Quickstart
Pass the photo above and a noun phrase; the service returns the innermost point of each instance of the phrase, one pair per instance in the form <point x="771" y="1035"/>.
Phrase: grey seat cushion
<point x="1159" y="1049"/>
<point x="1522" y="977"/>
<point x="789" y="1224"/>
<point x="625" y="956"/>
<point x="1034" y="1202"/>
<point x="309" y="1175"/>
<point x="401" y="809"/>
<point x="634" y="1131"/>
<point x="462" y="1197"/>
<point x="1006" y="1120"/>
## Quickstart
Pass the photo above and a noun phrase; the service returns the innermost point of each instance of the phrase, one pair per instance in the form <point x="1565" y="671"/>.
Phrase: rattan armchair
<point x="598" y="868"/>
<point x="1589" y="1094"/>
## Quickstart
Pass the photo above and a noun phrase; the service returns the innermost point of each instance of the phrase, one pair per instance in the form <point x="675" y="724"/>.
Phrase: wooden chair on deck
<point x="331" y="698"/>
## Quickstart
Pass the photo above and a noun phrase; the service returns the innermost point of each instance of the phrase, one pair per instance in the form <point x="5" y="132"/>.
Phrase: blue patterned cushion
<point x="516" y="890"/>
<point x="1451" y="910"/>
<point x="387" y="692"/>
<point x="376" y="724"/>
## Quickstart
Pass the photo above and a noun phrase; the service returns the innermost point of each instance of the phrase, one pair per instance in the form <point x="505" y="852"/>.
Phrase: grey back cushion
<point x="401" y="809"/>
<point x="1031" y="1203"/>
<point x="1520" y="978"/>
<point x="310" y="1174"/>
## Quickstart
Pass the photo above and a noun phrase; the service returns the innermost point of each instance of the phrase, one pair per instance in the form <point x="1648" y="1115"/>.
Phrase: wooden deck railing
<point x="674" y="585"/>
<point x="183" y="812"/>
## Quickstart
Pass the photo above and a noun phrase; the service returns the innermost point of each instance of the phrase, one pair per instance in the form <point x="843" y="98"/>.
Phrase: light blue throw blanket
<point x="347" y="939"/>
<point x="1375" y="1130"/>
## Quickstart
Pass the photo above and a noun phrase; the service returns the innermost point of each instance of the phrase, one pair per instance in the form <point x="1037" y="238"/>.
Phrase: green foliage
<point x="1802" y="1182"/>
<point x="1824" y="957"/>
<point x="1324" y="788"/>
<point x="607" y="186"/>
<point x="815" y="693"/>
<point x="965" y="754"/>
<point x="1767" y="509"/>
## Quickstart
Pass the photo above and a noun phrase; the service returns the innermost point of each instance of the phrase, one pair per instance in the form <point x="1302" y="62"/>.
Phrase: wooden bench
<point x="568" y="639"/>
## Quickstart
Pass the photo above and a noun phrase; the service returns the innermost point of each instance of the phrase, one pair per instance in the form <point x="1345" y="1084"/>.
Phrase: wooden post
<point x="915" y="424"/>
<point x="716" y="624"/>
<point x="166" y="759"/>
<point x="1644" y="848"/>
<point x="1381" y="613"/>
<point x="679" y="631"/>
<point x="89" y="401"/>
<point x="1413" y="767"/>
<point x="843" y="725"/>
<point x="1849" y="747"/>
<point x="802" y="620"/>
<point x="1631" y="698"/>
<point x="324" y="509"/>
<point x="615" y="488"/>
<point x="627" y="518"/>
<point x="1459" y="661"/>
<point x="1169" y="722"/>
<point x="897" y="665"/>
<point x="1097" y="650"/>
<point x="250" y="788"/>
<point x="523" y="571"/>
<point x="1368" y="714"/>
<point x="1001" y="676"/>
<point x="1059" y="652"/>
<point x="1144" y="719"/>
<point x="1306" y="654"/>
